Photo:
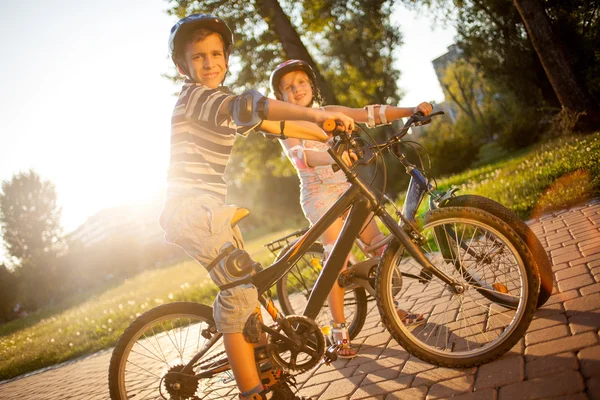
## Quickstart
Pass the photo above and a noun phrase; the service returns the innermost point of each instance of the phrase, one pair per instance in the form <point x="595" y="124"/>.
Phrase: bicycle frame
<point x="361" y="202"/>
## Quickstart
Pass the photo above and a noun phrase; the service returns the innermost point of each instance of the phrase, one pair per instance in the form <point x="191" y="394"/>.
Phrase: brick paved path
<point x="558" y="358"/>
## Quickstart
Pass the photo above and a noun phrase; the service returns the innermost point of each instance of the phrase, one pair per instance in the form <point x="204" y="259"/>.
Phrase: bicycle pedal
<point x="330" y="354"/>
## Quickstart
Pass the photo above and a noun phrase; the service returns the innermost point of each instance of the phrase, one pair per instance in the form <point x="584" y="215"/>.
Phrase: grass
<point x="80" y="326"/>
<point x="551" y="176"/>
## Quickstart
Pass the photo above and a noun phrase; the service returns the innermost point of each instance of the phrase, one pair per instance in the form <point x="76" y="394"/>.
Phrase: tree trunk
<point x="278" y="21"/>
<point x="560" y="74"/>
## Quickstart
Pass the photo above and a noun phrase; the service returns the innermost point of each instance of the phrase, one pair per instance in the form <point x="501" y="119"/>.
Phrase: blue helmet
<point x="186" y="25"/>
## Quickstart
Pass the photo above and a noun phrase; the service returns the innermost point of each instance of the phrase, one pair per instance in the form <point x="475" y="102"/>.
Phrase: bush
<point x="521" y="129"/>
<point x="452" y="148"/>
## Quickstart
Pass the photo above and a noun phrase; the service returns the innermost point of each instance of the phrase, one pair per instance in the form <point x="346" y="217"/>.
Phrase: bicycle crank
<point x="302" y="351"/>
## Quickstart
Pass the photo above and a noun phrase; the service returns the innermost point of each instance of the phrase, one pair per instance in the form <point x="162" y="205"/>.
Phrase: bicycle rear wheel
<point x="149" y="356"/>
<point x="294" y="289"/>
<point x="540" y="256"/>
<point x="496" y="270"/>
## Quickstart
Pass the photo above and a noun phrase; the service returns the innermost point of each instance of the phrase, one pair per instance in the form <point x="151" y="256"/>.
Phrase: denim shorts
<point x="201" y="226"/>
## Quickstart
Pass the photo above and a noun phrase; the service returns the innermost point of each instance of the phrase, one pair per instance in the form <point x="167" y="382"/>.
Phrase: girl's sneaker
<point x="338" y="335"/>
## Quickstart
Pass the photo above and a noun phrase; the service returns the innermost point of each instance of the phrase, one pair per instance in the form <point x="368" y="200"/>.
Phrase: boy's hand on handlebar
<point x="343" y="119"/>
<point x="424" y="108"/>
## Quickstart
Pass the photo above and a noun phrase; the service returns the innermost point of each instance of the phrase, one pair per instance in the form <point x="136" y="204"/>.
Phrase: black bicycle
<point x="474" y="281"/>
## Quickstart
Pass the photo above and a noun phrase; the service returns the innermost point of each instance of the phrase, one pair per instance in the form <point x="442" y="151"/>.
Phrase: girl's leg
<point x="371" y="234"/>
<point x="336" y="296"/>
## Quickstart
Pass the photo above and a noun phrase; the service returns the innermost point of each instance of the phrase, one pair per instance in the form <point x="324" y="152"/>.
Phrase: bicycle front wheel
<point x="150" y="355"/>
<point x="294" y="289"/>
<point x="460" y="328"/>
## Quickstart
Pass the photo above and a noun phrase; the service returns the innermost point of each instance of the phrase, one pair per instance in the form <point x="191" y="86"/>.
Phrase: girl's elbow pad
<point x="296" y="154"/>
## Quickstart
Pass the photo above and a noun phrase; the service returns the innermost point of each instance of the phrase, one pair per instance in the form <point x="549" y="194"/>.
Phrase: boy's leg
<point x="241" y="354"/>
<point x="201" y="226"/>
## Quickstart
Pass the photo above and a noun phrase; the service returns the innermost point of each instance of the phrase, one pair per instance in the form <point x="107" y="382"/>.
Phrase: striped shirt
<point x="201" y="142"/>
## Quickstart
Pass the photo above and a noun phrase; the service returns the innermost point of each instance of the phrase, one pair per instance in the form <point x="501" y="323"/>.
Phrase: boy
<point x="195" y="217"/>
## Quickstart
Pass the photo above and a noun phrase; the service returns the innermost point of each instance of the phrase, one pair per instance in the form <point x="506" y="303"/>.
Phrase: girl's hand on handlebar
<point x="424" y="108"/>
<point x="349" y="157"/>
<point x="343" y="119"/>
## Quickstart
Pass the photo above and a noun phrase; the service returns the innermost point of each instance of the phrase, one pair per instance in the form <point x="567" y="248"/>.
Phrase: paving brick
<point x="582" y="304"/>
<point x="584" y="321"/>
<point x="383" y="388"/>
<point x="543" y="388"/>
<point x="330" y="375"/>
<point x="575" y="282"/>
<point x="544" y="335"/>
<point x="571" y="272"/>
<point x="589" y="361"/>
<point x="567" y="257"/>
<point x="551" y="365"/>
<point x="585" y="260"/>
<point x="416" y="393"/>
<point x="593" y="388"/>
<point x="587" y="290"/>
<point x="451" y="387"/>
<point x="376" y="365"/>
<point x="415" y="366"/>
<point x="500" y="373"/>
<point x="313" y="391"/>
<point x="549" y="310"/>
<point x="562" y="297"/>
<point x="488" y="394"/>
<point x="564" y="250"/>
<point x="341" y="387"/>
<point x="544" y="322"/>
<point x="576" y="396"/>
<point x="432" y="376"/>
<point x="570" y="343"/>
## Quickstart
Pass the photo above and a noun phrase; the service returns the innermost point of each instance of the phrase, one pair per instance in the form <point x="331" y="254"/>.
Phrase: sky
<point x="83" y="101"/>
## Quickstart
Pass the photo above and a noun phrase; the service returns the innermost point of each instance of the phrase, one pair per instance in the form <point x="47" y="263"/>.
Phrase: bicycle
<point x="152" y="356"/>
<point x="359" y="280"/>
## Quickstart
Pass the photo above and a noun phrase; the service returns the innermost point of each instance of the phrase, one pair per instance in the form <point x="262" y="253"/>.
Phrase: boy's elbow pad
<point x="298" y="157"/>
<point x="249" y="108"/>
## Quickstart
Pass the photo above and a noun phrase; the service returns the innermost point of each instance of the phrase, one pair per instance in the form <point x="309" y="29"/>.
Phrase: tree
<point x="552" y="56"/>
<point x="494" y="38"/>
<point x="265" y="36"/>
<point x="467" y="88"/>
<point x="29" y="218"/>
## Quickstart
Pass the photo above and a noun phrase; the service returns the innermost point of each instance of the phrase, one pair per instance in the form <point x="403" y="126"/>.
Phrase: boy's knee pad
<point x="237" y="263"/>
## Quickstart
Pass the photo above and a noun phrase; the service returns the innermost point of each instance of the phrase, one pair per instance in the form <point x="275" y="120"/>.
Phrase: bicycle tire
<point x="137" y="361"/>
<point x="540" y="256"/>
<point x="476" y="311"/>
<point x="355" y="300"/>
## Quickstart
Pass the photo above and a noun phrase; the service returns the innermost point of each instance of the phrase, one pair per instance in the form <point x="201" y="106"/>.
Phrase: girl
<point x="294" y="82"/>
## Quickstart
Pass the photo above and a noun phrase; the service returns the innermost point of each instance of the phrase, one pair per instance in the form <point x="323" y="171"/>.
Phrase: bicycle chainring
<point x="306" y="352"/>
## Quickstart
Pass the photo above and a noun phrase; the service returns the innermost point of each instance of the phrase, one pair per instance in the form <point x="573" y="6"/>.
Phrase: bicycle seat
<point x="239" y="215"/>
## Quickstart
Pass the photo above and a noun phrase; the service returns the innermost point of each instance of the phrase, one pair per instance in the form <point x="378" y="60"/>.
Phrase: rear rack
<point x="280" y="243"/>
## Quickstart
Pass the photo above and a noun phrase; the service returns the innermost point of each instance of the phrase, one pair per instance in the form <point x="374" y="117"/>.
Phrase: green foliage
<point x="554" y="175"/>
<point x="452" y="148"/>
<point x="520" y="126"/>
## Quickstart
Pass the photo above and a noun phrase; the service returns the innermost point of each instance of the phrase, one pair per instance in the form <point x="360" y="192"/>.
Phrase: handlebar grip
<point x="329" y="125"/>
